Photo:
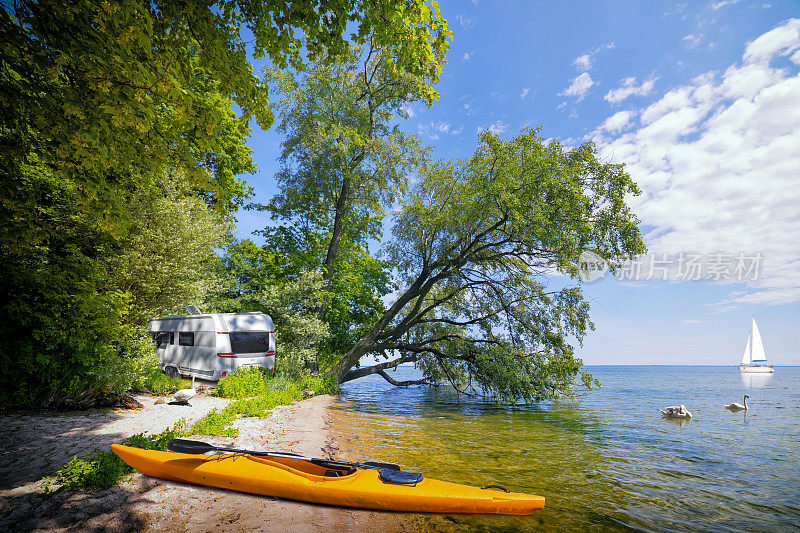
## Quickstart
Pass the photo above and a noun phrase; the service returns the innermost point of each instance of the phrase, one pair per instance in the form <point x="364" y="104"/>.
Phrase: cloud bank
<point x="718" y="161"/>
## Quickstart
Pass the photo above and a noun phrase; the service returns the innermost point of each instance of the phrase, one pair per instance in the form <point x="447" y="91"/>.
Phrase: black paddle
<point x="194" y="446"/>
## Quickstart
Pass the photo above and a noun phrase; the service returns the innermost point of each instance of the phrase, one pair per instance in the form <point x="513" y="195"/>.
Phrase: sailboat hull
<point x="756" y="369"/>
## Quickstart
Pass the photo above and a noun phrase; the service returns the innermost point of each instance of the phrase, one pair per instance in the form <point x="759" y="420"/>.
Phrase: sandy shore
<point x="34" y="445"/>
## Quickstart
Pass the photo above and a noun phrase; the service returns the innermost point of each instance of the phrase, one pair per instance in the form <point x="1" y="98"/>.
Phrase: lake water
<point x="606" y="461"/>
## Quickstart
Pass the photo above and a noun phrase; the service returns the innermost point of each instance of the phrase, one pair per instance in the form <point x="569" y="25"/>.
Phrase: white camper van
<point x="208" y="346"/>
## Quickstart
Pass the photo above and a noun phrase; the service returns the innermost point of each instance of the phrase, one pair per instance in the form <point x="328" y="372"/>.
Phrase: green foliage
<point x="354" y="302"/>
<point x="101" y="101"/>
<point x="476" y="243"/>
<point x="242" y="383"/>
<point x="167" y="259"/>
<point x="343" y="159"/>
<point x="103" y="469"/>
<point x="110" y="93"/>
<point x="99" y="470"/>
<point x="320" y="383"/>
<point x="153" y="379"/>
<point x="257" y="395"/>
<point x="216" y="423"/>
<point x="260" y="406"/>
<point x="75" y="313"/>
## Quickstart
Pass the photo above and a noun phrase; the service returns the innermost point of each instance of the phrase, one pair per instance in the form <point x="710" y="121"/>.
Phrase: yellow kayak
<point x="298" y="479"/>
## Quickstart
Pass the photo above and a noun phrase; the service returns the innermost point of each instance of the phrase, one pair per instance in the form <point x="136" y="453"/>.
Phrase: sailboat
<point x="754" y="359"/>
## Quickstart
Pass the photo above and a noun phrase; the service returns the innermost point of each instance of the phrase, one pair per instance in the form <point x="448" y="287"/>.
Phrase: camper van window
<point x="162" y="338"/>
<point x="186" y="338"/>
<point x="249" y="341"/>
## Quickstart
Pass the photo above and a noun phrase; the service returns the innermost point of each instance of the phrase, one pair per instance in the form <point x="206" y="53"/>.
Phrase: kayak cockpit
<point x="303" y="468"/>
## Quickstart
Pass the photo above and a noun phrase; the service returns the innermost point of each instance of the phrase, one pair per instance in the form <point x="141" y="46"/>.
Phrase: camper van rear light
<point x="223" y="332"/>
<point x="226" y="354"/>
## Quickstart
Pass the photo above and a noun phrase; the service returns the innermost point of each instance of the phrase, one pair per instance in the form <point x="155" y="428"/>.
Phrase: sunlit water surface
<point x="606" y="461"/>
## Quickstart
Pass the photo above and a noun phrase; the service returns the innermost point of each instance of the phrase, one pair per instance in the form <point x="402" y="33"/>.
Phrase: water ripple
<point x="600" y="466"/>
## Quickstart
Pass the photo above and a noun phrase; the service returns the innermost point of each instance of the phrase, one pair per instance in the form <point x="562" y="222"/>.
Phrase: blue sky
<point x="701" y="101"/>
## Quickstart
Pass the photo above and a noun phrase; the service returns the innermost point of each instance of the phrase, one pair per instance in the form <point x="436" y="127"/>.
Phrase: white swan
<point x="184" y="395"/>
<point x="738" y="406"/>
<point x="676" y="411"/>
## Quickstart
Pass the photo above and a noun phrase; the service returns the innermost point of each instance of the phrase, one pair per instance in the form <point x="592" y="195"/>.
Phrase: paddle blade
<point x="189" y="446"/>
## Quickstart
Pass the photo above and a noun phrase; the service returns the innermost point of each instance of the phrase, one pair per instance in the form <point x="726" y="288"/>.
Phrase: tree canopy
<point x="108" y="94"/>
<point x="98" y="102"/>
<point x="481" y="247"/>
<point x="344" y="157"/>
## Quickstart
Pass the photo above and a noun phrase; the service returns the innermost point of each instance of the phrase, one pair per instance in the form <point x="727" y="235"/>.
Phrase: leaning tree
<point x="486" y="250"/>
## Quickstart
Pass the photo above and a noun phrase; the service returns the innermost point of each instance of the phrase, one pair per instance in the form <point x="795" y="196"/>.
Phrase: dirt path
<point x="35" y="445"/>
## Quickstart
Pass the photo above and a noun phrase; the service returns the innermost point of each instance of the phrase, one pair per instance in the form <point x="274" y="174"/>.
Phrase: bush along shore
<point x="254" y="393"/>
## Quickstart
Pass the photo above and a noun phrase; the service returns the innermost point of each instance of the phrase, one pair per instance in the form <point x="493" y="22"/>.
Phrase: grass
<point x="271" y="393"/>
<point x="255" y="393"/>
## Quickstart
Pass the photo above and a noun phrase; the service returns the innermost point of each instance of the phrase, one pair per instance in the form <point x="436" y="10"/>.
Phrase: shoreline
<point x="36" y="445"/>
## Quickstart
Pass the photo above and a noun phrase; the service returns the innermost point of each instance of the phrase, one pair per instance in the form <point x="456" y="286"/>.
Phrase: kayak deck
<point x="298" y="479"/>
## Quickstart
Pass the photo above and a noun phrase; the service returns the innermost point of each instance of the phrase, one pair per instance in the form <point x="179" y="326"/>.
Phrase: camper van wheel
<point x="171" y="371"/>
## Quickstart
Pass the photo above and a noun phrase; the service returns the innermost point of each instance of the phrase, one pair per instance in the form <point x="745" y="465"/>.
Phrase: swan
<point x="184" y="395"/>
<point x="738" y="406"/>
<point x="676" y="411"/>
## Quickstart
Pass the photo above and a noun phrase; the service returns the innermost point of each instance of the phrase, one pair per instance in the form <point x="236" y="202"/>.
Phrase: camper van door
<point x="196" y="344"/>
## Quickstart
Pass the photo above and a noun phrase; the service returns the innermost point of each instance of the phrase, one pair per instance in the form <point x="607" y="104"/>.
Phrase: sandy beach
<point x="37" y="444"/>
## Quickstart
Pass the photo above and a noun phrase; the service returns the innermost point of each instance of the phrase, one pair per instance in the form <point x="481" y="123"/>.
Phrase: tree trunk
<point x="333" y="247"/>
<point x="367" y="343"/>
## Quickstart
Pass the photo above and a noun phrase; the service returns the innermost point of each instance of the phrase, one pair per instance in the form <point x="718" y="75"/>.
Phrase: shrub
<point x="320" y="384"/>
<point x="243" y="383"/>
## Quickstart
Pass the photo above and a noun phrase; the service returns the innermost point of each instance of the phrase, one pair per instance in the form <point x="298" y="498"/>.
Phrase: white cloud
<point x="580" y="86"/>
<point x="583" y="62"/>
<point x="408" y="110"/>
<point x="718" y="160"/>
<point x="723" y="3"/>
<point x="433" y="130"/>
<point x="796" y="58"/>
<point x="498" y="127"/>
<point x="782" y="40"/>
<point x="617" y="121"/>
<point x="692" y="40"/>
<point x="466" y="57"/>
<point x="524" y="92"/>
<point x="629" y="88"/>
<point x="464" y="21"/>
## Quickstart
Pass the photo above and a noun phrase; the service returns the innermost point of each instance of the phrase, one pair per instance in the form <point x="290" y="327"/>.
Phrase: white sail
<point x="746" y="356"/>
<point x="758" y="346"/>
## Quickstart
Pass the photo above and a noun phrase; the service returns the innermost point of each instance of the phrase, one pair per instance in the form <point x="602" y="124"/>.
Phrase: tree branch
<point x="406" y="383"/>
<point x="374" y="369"/>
